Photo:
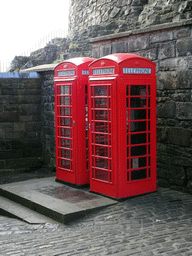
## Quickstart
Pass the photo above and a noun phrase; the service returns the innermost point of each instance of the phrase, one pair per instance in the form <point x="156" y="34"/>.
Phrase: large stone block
<point x="184" y="47"/>
<point x="162" y="171"/>
<point x="181" y="32"/>
<point x="11" y="154"/>
<point x="181" y="160"/>
<point x="184" y="110"/>
<point x="166" y="80"/>
<point x="176" y="175"/>
<point x="163" y="182"/>
<point x="166" y="50"/>
<point x="166" y="110"/>
<point x="189" y="187"/>
<point x="189" y="173"/>
<point x="29" y="99"/>
<point x="33" y="126"/>
<point x="105" y="50"/>
<point x="25" y="118"/>
<point x="2" y="165"/>
<point x="29" y="92"/>
<point x="32" y="152"/>
<point x="96" y="52"/>
<point x="114" y="12"/>
<point x="150" y="54"/>
<point x="183" y="79"/>
<point x="2" y="133"/>
<point x="168" y="64"/>
<point x="119" y="46"/>
<point x="163" y="158"/>
<point x="9" y="91"/>
<point x="5" y="145"/>
<point x="23" y="163"/>
<point x="138" y="43"/>
<point x="19" y="126"/>
<point x="32" y="109"/>
<point x="179" y="136"/>
<point x="9" y="117"/>
<point x="13" y="135"/>
<point x="162" y="134"/>
<point x="161" y="36"/>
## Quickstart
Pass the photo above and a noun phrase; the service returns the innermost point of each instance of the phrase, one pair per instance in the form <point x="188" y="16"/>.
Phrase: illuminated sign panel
<point x="85" y="72"/>
<point x="66" y="73"/>
<point x="103" y="71"/>
<point x="136" y="70"/>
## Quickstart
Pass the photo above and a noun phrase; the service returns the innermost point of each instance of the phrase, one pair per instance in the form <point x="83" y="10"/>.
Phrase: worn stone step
<point x="54" y="200"/>
<point x="15" y="210"/>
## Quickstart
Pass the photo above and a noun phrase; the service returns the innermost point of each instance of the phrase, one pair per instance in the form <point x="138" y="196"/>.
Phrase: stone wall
<point x="48" y="118"/>
<point x="100" y="17"/>
<point x="170" y="47"/>
<point x="20" y="122"/>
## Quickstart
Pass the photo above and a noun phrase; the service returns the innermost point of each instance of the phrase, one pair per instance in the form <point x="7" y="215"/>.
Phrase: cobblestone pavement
<point x="159" y="223"/>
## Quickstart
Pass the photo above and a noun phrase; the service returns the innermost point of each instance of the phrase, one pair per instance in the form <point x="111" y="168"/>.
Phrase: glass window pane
<point x="64" y="90"/>
<point x="65" y="153"/>
<point x="101" y="162"/>
<point x="138" y="90"/>
<point x="138" y="102"/>
<point x="65" y="111"/>
<point x="138" y="138"/>
<point x="139" y="174"/>
<point x="101" y="103"/>
<point x="138" y="126"/>
<point x="101" y="115"/>
<point x="101" y="127"/>
<point x="138" y="162"/>
<point x="101" y="139"/>
<point x="127" y="115"/>
<point x="64" y="101"/>
<point x="65" y="164"/>
<point x="127" y="102"/>
<point x="137" y="114"/>
<point x="139" y="150"/>
<point x="101" y="151"/>
<point x="65" y="143"/>
<point x="65" y="132"/>
<point x="100" y="91"/>
<point x="101" y="175"/>
<point x="65" y="121"/>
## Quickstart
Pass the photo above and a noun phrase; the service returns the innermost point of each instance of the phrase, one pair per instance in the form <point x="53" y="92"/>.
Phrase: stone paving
<point x="159" y="223"/>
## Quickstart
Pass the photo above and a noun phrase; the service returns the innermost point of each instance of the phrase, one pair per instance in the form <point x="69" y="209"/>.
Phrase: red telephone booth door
<point x="101" y="170"/>
<point x="65" y="124"/>
<point x="137" y="137"/>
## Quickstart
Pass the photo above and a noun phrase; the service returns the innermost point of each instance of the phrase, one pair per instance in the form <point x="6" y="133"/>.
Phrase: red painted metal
<point x="71" y="120"/>
<point x="122" y="122"/>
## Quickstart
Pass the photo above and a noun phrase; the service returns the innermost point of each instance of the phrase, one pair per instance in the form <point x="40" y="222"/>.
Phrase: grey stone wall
<point x="20" y="122"/>
<point x="170" y="47"/>
<point x="48" y="118"/>
<point x="101" y="17"/>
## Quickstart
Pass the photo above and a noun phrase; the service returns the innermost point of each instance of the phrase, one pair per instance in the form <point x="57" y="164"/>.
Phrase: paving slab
<point x="15" y="210"/>
<point x="54" y="200"/>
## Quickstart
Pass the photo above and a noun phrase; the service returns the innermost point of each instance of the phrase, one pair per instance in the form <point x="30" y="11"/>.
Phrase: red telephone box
<point x="122" y="125"/>
<point x="71" y="120"/>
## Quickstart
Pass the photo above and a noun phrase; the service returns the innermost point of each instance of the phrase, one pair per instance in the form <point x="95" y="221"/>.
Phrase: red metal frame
<point x="71" y="120"/>
<point x="122" y="122"/>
